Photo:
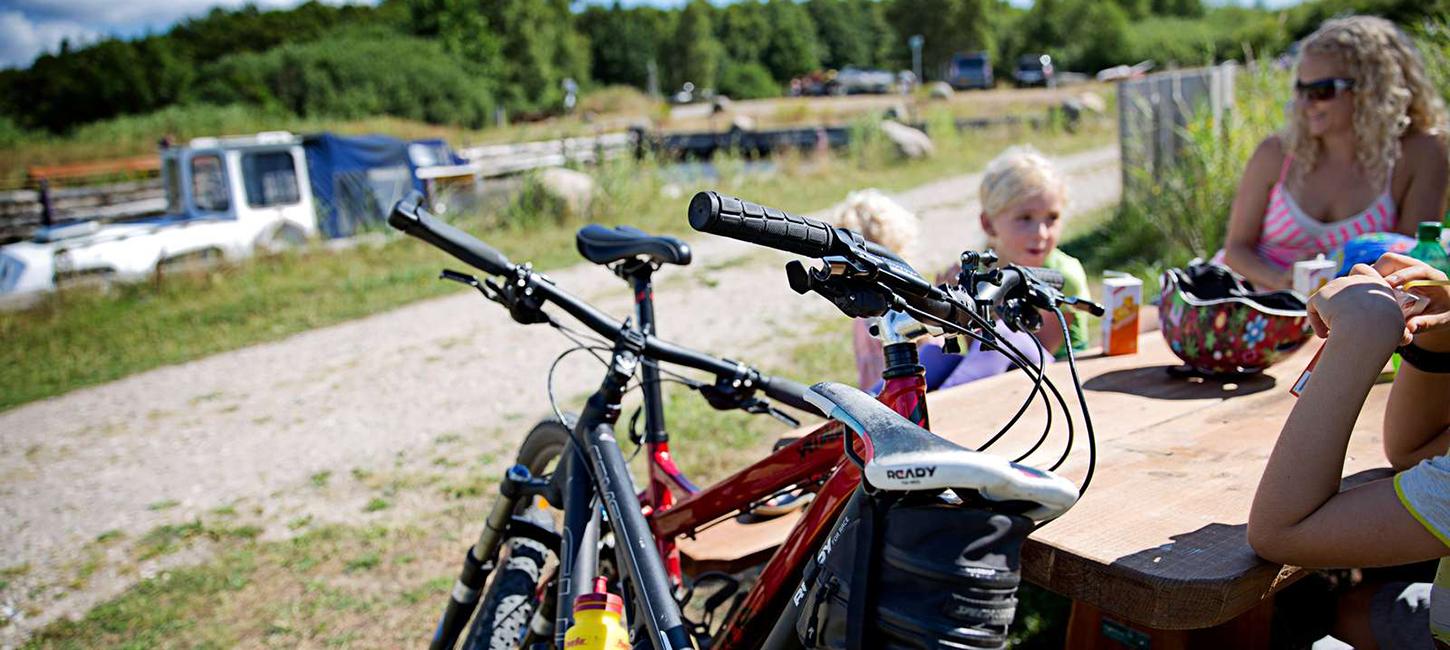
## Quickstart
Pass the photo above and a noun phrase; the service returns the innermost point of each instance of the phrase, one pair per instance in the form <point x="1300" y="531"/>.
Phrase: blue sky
<point x="30" y="27"/>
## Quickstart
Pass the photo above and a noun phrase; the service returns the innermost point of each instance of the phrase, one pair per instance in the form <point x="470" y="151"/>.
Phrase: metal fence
<point x="1152" y="112"/>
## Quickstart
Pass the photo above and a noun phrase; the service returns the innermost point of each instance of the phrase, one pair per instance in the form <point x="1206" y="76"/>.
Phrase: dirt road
<point x="257" y="427"/>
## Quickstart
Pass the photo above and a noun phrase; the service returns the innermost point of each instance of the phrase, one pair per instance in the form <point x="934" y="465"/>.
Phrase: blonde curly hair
<point x="1018" y="173"/>
<point x="879" y="219"/>
<point x="1392" y="94"/>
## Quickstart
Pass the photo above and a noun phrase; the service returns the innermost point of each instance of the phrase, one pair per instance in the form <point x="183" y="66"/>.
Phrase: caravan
<point x="226" y="199"/>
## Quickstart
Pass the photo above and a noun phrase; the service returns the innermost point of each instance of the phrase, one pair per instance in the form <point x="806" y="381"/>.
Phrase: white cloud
<point x="31" y="27"/>
<point x="23" y="39"/>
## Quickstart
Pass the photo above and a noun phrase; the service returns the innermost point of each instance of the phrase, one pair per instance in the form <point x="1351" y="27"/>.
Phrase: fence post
<point x="46" y="216"/>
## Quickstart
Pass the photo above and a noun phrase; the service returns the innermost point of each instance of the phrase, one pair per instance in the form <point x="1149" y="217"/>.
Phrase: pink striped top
<point x="1289" y="235"/>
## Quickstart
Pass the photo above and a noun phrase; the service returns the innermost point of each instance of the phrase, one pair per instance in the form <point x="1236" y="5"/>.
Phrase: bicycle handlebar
<point x="750" y="222"/>
<point x="412" y="218"/>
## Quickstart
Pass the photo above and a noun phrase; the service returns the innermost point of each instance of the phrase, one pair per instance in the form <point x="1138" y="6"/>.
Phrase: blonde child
<point x="1023" y="197"/>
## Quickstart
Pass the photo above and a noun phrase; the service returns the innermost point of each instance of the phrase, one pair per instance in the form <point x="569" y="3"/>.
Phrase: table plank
<point x="1159" y="537"/>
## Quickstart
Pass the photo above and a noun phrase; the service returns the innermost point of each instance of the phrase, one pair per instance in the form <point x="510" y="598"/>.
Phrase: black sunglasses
<point x="1323" y="90"/>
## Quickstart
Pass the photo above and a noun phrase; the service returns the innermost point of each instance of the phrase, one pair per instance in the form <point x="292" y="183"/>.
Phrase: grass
<point x="383" y="586"/>
<point x="81" y="338"/>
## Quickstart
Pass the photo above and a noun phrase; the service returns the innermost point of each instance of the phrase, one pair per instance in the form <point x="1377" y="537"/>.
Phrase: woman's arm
<point x="1299" y="516"/>
<point x="1246" y="219"/>
<point x="1423" y="156"/>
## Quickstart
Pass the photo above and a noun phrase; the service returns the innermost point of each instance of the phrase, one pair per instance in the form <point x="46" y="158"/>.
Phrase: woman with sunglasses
<point x="1364" y="151"/>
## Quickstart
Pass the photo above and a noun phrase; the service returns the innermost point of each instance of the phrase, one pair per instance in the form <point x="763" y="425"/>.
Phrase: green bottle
<point x="1427" y="247"/>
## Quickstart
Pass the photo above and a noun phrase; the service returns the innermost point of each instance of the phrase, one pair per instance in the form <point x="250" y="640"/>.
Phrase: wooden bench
<point x="1155" y="553"/>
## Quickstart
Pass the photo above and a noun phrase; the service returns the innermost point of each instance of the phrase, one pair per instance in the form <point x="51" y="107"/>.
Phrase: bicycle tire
<point x="508" y="602"/>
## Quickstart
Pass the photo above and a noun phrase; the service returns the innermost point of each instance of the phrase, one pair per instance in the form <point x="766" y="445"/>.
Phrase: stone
<point x="574" y="189"/>
<point x="910" y="143"/>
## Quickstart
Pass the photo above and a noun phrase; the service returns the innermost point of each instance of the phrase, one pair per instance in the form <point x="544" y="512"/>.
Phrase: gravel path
<point x="257" y="425"/>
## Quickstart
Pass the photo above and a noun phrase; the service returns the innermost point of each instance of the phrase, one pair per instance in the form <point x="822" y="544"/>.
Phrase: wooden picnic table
<point x="1157" y="545"/>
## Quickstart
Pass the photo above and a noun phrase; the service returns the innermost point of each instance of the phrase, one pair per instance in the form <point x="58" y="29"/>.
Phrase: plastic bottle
<point x="597" y="624"/>
<point x="1427" y="247"/>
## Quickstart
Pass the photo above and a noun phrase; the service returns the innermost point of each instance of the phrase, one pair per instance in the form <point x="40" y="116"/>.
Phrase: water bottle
<point x="1428" y="248"/>
<point x="597" y="624"/>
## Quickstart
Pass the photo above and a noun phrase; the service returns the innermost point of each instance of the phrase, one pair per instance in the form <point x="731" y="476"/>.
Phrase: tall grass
<point x="1182" y="213"/>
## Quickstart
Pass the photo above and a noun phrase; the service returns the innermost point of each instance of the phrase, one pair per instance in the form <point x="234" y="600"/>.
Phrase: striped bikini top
<point x="1289" y="235"/>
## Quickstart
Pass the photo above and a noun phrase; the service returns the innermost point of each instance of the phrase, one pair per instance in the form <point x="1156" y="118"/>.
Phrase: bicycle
<point x="884" y="439"/>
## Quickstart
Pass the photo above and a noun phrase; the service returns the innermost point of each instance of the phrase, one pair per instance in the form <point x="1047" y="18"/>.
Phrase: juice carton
<point x="1310" y="275"/>
<point x="1122" y="296"/>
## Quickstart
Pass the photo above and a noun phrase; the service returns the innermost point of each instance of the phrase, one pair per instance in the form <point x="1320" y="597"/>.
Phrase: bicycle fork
<point x="518" y="485"/>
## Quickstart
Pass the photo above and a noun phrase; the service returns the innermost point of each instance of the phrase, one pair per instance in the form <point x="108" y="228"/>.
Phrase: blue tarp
<point x="357" y="179"/>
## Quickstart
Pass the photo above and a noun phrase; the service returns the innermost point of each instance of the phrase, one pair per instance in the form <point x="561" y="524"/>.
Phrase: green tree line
<point x="459" y="61"/>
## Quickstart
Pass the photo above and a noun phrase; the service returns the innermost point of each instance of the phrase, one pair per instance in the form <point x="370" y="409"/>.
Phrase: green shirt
<point x="1074" y="283"/>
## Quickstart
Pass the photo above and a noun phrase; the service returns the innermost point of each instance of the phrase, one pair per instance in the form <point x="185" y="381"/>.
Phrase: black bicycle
<point x="877" y="476"/>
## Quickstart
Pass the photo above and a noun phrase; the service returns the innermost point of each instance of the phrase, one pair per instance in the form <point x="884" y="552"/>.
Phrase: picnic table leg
<point x="1090" y="629"/>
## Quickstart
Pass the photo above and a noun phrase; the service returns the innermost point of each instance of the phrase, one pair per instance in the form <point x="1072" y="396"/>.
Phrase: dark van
<point x="970" y="70"/>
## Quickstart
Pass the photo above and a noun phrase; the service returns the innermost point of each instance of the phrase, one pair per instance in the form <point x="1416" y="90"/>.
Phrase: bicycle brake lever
<point x="761" y="407"/>
<point x="1084" y="305"/>
<point x="486" y="288"/>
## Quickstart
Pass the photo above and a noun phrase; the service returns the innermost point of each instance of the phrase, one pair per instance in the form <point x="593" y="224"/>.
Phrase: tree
<point x="790" y="47"/>
<point x="851" y="32"/>
<point x="948" y="27"/>
<point x="697" y="51"/>
<point x="742" y="31"/>
<point x="623" y="42"/>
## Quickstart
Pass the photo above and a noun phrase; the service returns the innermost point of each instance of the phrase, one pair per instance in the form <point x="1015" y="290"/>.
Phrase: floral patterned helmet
<point x="1218" y="326"/>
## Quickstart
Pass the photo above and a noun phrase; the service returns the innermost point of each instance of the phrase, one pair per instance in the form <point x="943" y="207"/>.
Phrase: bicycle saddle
<point x="603" y="245"/>
<point x="902" y="456"/>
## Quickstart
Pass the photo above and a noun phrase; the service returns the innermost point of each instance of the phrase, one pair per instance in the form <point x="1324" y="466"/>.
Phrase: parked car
<point x="970" y="70"/>
<point x="1033" y="70"/>
<point x="855" y="81"/>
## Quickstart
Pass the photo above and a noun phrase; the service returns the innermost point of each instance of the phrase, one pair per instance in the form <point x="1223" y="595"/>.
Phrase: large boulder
<point x="940" y="90"/>
<point x="910" y="143"/>
<point x="575" y="190"/>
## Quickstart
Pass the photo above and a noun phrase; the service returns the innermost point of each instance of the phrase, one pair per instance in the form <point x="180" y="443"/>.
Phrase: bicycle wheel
<point x="512" y="595"/>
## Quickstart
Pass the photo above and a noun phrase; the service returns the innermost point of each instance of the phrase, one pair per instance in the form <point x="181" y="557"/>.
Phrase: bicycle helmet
<point x="1219" y="326"/>
<point x="1365" y="249"/>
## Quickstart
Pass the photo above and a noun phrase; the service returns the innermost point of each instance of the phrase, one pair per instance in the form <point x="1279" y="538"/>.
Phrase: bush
<point x="1183" y="213"/>
<point x="10" y="133"/>
<point x="354" y="74"/>
<point x="747" y="81"/>
<point x="617" y="100"/>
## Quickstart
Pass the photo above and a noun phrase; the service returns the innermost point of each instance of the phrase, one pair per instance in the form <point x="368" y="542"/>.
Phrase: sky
<point x="31" y="27"/>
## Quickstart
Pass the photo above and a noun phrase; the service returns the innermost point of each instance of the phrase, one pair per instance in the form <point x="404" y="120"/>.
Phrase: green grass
<point x="382" y="586"/>
<point x="80" y="338"/>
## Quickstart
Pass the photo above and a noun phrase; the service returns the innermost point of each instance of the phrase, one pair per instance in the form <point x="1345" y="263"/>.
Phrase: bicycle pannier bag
<point x="928" y="574"/>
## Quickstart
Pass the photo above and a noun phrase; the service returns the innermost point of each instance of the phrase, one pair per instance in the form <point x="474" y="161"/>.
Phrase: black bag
<point x="915" y="572"/>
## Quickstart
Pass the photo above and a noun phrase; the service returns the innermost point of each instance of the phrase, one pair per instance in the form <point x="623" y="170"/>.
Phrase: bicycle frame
<point x="815" y="459"/>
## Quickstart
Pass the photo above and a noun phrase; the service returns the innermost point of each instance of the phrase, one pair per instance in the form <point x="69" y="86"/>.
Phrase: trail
<point x="255" y="426"/>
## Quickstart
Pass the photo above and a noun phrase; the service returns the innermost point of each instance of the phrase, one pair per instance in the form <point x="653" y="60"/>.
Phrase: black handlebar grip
<point x="411" y="217"/>
<point x="731" y="217"/>
<point x="1050" y="277"/>
<point x="789" y="393"/>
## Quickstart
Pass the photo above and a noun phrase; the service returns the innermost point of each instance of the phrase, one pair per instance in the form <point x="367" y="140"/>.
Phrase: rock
<point x="910" y="143"/>
<point x="1093" y="102"/>
<point x="940" y="90"/>
<point x="574" y="189"/>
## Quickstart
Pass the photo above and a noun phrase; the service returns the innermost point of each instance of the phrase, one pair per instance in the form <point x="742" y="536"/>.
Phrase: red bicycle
<point x="922" y="550"/>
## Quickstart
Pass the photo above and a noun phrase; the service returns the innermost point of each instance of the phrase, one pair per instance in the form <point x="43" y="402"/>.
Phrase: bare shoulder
<point x="1268" y="158"/>
<point x="1421" y="150"/>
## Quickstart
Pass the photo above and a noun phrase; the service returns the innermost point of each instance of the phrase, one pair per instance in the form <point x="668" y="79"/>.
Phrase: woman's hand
<point x="1431" y="326"/>
<point x="1362" y="303"/>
